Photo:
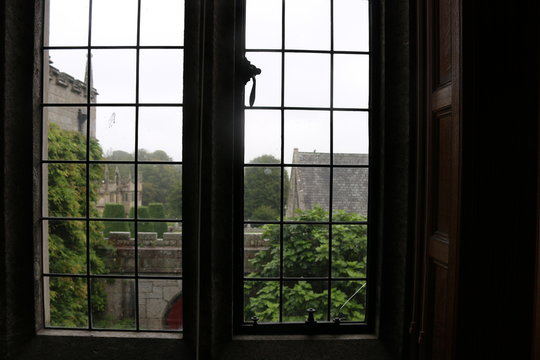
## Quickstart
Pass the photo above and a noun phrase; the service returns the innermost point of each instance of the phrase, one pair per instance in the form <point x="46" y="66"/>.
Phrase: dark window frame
<point x="208" y="328"/>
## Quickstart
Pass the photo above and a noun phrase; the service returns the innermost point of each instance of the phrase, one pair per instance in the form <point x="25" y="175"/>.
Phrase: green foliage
<point x="67" y="239"/>
<point x="157" y="211"/>
<point x="114" y="211"/>
<point x="306" y="254"/>
<point x="262" y="189"/>
<point x="142" y="226"/>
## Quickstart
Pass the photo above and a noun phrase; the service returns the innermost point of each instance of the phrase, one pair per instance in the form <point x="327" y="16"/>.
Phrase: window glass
<point x="112" y="165"/>
<point x="306" y="163"/>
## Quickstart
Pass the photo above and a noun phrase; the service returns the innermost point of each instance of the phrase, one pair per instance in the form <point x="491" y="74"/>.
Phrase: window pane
<point x="112" y="244"/>
<point x="309" y="194"/>
<point x="261" y="299"/>
<point x="307" y="24"/>
<point x="262" y="193"/>
<point x="68" y="23"/>
<point x="115" y="132"/>
<point x="307" y="80"/>
<point x="299" y="296"/>
<point x="67" y="302"/>
<point x="307" y="137"/>
<point x="66" y="249"/>
<point x="262" y="136"/>
<point x="113" y="304"/>
<point x="160" y="248"/>
<point x="112" y="185"/>
<point x="350" y="192"/>
<point x="66" y="189"/>
<point x="263" y="24"/>
<point x="351" y="25"/>
<point x="349" y="249"/>
<point x="114" y="22"/>
<point x="351" y="81"/>
<point x="66" y="80"/>
<point x="261" y="250"/>
<point x="113" y="74"/>
<point x="268" y="91"/>
<point x="351" y="138"/>
<point x="65" y="127"/>
<point x="162" y="22"/>
<point x="160" y="133"/>
<point x="161" y="191"/>
<point x="305" y="250"/>
<point x="161" y="76"/>
<point x="161" y="304"/>
<point x="349" y="300"/>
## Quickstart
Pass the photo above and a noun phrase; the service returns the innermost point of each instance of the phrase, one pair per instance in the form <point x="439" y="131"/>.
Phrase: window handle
<point x="248" y="71"/>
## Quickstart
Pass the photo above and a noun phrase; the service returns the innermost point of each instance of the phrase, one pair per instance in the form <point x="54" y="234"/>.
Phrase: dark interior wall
<point x="500" y="164"/>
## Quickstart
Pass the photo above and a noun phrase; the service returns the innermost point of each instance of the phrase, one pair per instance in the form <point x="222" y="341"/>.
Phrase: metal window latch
<point x="311" y="317"/>
<point x="255" y="320"/>
<point x="248" y="71"/>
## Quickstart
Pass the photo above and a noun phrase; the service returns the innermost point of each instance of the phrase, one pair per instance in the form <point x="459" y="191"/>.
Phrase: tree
<point x="67" y="239"/>
<point x="262" y="189"/>
<point x="157" y="211"/>
<point x="306" y="254"/>
<point x="114" y="211"/>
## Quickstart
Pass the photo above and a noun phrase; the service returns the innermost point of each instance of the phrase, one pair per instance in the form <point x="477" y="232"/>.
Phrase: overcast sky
<point x="307" y="76"/>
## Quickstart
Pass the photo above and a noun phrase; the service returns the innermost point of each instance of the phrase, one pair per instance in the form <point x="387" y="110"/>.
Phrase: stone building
<point x="310" y="186"/>
<point x="118" y="189"/>
<point x="63" y="88"/>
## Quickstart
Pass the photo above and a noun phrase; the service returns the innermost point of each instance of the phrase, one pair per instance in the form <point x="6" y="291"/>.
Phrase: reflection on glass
<point x="66" y="189"/>
<point x="348" y="300"/>
<point x="68" y="14"/>
<point x="307" y="86"/>
<point x="160" y="128"/>
<point x="161" y="304"/>
<point x="351" y="81"/>
<point x="350" y="191"/>
<point x="162" y="22"/>
<point x="160" y="247"/>
<point x="262" y="135"/>
<point x="66" y="128"/>
<point x="263" y="24"/>
<point x="113" y="75"/>
<point x="261" y="250"/>
<point x="298" y="296"/>
<point x="114" y="22"/>
<point x="351" y="25"/>
<point x="112" y="244"/>
<point x="261" y="300"/>
<point x="307" y="24"/>
<point x="113" y="304"/>
<point x="349" y="248"/>
<point x="305" y="249"/>
<point x="161" y="76"/>
<point x="307" y="132"/>
<point x="68" y="302"/>
<point x="112" y="190"/>
<point x="309" y="193"/>
<point x="115" y="132"/>
<point x="66" y="83"/>
<point x="161" y="189"/>
<point x="351" y="137"/>
<point x="66" y="247"/>
<point x="262" y="192"/>
<point x="268" y="91"/>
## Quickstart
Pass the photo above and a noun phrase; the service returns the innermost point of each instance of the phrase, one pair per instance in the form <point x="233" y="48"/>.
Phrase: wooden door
<point x="439" y="159"/>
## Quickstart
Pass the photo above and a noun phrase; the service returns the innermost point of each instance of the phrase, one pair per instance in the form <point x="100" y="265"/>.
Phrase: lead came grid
<point x="143" y="109"/>
<point x="274" y="116"/>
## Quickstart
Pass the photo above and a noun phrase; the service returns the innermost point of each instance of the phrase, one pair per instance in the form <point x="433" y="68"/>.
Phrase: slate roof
<point x="310" y="186"/>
